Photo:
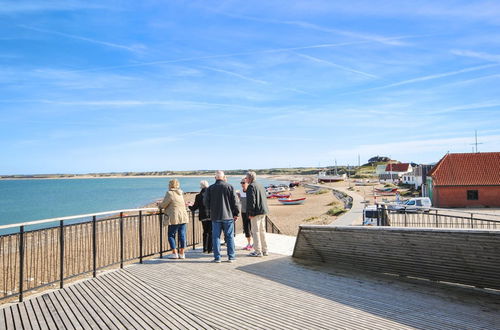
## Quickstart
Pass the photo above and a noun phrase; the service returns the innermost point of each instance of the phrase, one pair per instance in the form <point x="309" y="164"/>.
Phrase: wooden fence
<point x="463" y="256"/>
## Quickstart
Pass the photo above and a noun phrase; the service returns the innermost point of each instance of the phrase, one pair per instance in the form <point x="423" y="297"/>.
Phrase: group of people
<point x="218" y="208"/>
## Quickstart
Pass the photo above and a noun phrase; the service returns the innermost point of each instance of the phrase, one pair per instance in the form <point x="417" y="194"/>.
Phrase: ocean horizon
<point x="36" y="199"/>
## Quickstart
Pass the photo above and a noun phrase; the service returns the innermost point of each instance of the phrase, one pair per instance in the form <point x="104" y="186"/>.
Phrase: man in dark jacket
<point x="221" y="203"/>
<point x="203" y="216"/>
<point x="257" y="210"/>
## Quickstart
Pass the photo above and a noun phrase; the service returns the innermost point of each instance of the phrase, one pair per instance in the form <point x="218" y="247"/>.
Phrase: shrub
<point x="335" y="211"/>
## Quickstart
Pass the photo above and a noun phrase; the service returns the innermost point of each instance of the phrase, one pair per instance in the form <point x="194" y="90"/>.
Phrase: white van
<point x="422" y="204"/>
<point x="370" y="213"/>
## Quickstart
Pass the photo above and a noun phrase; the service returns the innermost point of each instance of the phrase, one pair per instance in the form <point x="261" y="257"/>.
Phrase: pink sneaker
<point x="248" y="247"/>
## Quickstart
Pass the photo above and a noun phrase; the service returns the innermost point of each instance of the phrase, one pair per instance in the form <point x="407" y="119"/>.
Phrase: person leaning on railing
<point x="176" y="215"/>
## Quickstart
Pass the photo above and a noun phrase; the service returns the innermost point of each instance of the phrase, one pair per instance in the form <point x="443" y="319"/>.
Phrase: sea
<point x="37" y="199"/>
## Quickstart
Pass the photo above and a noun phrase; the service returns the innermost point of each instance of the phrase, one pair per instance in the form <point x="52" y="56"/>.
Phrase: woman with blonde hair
<point x="174" y="208"/>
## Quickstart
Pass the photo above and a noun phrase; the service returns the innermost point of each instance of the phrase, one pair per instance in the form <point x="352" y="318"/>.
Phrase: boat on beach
<point x="279" y="195"/>
<point x="386" y="191"/>
<point x="324" y="177"/>
<point x="287" y="201"/>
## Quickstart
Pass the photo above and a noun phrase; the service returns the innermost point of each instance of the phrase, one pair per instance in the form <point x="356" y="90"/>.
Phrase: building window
<point x="472" y="195"/>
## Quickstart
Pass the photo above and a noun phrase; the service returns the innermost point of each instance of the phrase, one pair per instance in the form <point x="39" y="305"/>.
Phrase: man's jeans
<point x="181" y="230"/>
<point x="228" y="227"/>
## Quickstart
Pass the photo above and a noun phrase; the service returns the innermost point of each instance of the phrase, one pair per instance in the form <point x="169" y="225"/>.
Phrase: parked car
<point x="370" y="213"/>
<point x="422" y="204"/>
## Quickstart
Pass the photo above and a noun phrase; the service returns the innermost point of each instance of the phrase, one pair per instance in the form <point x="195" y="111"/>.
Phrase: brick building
<point x="466" y="180"/>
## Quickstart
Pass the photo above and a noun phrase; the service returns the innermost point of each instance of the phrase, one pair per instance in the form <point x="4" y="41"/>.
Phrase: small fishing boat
<point x="279" y="196"/>
<point x="324" y="177"/>
<point x="287" y="201"/>
<point x="386" y="191"/>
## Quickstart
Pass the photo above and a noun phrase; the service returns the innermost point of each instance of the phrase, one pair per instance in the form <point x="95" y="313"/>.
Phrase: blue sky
<point x="101" y="86"/>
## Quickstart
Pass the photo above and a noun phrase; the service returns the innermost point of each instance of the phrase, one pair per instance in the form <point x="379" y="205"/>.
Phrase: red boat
<point x="279" y="196"/>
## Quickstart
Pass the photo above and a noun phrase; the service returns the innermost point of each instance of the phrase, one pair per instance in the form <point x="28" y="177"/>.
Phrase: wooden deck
<point x="273" y="292"/>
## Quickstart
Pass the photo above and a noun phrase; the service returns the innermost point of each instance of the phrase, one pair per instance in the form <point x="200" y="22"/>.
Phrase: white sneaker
<point x="173" y="256"/>
<point x="182" y="256"/>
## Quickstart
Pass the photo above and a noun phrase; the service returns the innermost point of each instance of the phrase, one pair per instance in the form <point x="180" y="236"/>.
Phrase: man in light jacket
<point x="257" y="210"/>
<point x="220" y="200"/>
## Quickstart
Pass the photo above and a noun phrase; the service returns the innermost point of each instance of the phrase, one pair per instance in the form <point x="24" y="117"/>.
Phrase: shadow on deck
<point x="274" y="292"/>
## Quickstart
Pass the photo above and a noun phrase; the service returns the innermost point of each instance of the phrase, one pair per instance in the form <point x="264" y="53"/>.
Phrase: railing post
<point x="472" y="220"/>
<point x="140" y="237"/>
<point x="194" y="229"/>
<point x="160" y="217"/>
<point x="406" y="221"/>
<point x="121" y="240"/>
<point x="94" y="246"/>
<point x="437" y="222"/>
<point x="266" y="223"/>
<point x="61" y="254"/>
<point x="21" y="262"/>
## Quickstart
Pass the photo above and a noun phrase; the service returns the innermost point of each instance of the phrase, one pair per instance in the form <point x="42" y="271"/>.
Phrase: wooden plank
<point x="84" y="318"/>
<point x="108" y="306"/>
<point x="56" y="311"/>
<point x="141" y="296"/>
<point x="99" y="312"/>
<point x="49" y="311"/>
<point x="64" y="310"/>
<point x="9" y="321"/>
<point x="120" y="298"/>
<point x="31" y="315"/>
<point x="16" y="317"/>
<point x="161" y="303"/>
<point x="42" y="321"/>
<point x="3" y="323"/>
<point x="24" y="315"/>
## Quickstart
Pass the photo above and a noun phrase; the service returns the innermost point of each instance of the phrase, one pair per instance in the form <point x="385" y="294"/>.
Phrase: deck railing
<point x="436" y="218"/>
<point x="33" y="259"/>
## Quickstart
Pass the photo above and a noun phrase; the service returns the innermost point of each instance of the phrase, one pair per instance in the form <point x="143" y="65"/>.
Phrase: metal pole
<point x="471" y="220"/>
<point x="160" y="217"/>
<point x="121" y="239"/>
<point x="21" y="262"/>
<point x="437" y="222"/>
<point x="140" y="237"/>
<point x="194" y="229"/>
<point x="94" y="246"/>
<point x="61" y="254"/>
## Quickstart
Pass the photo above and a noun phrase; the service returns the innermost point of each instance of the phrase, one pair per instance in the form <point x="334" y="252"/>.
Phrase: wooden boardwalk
<point x="272" y="292"/>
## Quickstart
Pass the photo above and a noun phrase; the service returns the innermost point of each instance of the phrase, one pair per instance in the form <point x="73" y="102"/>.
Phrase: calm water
<point x="27" y="200"/>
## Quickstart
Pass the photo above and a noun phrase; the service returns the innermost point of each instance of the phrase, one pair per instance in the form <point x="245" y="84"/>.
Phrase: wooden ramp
<point x="272" y="292"/>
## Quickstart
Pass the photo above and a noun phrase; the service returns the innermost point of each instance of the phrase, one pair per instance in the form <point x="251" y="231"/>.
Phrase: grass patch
<point x="335" y="211"/>
<point x="334" y="203"/>
<point x="311" y="219"/>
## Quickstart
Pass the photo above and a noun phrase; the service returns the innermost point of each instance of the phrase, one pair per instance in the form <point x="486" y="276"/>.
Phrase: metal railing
<point x="271" y="227"/>
<point x="32" y="260"/>
<point x="435" y="218"/>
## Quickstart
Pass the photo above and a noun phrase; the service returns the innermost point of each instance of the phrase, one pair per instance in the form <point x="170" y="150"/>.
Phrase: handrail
<point x="445" y="209"/>
<point x="37" y="222"/>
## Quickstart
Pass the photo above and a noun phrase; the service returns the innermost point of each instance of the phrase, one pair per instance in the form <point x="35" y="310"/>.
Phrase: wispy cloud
<point x="135" y="48"/>
<point x="430" y="77"/>
<point x="9" y="7"/>
<point x="392" y="41"/>
<point x="328" y="63"/>
<point x="237" y="75"/>
<point x="479" y="55"/>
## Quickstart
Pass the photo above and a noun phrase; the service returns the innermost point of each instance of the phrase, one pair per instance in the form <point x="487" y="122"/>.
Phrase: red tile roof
<point x="471" y="169"/>
<point x="398" y="167"/>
